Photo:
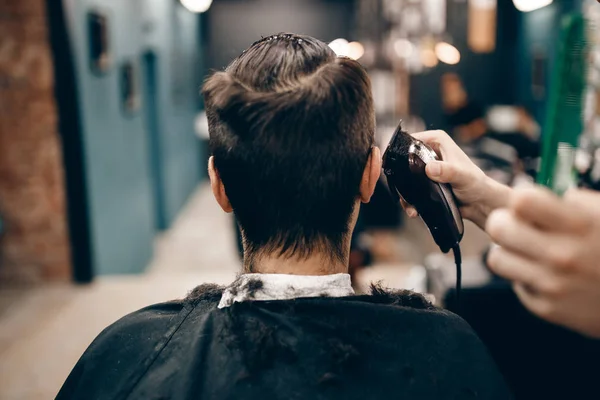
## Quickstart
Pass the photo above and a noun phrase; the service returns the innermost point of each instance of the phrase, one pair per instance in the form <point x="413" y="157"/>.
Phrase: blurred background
<point x="104" y="201"/>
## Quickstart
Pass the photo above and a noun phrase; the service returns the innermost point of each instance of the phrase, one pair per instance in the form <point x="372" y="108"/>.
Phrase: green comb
<point x="564" y="117"/>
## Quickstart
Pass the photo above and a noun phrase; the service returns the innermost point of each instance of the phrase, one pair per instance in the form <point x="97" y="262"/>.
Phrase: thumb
<point x="442" y="172"/>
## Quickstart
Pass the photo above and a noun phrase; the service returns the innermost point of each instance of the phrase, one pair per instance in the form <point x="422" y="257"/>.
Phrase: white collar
<point x="263" y="287"/>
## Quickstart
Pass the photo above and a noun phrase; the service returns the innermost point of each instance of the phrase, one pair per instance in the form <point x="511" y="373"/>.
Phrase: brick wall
<point x="34" y="244"/>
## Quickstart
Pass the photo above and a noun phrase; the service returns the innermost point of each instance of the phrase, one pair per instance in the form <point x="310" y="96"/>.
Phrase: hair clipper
<point x="404" y="164"/>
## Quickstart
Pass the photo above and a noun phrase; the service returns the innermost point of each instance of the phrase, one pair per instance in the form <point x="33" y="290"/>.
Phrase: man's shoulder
<point x="406" y="304"/>
<point x="127" y="347"/>
<point x="397" y="297"/>
<point x="162" y="314"/>
<point x="155" y="314"/>
<point x="151" y="323"/>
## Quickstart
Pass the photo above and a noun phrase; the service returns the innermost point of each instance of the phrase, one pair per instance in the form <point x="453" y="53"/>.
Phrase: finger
<point x="584" y="200"/>
<point x="522" y="270"/>
<point x="410" y="210"/>
<point x="439" y="141"/>
<point x="547" y="211"/>
<point x="444" y="172"/>
<point x="433" y="136"/>
<point x="537" y="304"/>
<point x="520" y="237"/>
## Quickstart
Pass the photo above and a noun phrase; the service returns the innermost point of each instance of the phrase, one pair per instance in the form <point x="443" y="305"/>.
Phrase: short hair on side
<point x="291" y="129"/>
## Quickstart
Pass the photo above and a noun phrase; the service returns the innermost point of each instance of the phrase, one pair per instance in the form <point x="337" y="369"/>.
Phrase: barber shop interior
<point x="299" y="199"/>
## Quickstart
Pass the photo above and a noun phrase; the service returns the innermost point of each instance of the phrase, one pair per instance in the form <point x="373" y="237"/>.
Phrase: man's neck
<point x="316" y="264"/>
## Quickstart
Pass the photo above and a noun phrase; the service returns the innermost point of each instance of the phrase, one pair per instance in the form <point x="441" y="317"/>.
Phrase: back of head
<point x="291" y="128"/>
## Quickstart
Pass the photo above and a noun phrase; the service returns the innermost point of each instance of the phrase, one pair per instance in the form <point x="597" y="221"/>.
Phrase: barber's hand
<point x="477" y="194"/>
<point x="550" y="249"/>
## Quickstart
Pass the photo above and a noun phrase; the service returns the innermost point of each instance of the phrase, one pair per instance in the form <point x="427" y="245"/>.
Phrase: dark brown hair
<point x="291" y="128"/>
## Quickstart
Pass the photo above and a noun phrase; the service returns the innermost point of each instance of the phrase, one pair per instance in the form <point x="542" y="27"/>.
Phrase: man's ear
<point x="217" y="186"/>
<point x="370" y="175"/>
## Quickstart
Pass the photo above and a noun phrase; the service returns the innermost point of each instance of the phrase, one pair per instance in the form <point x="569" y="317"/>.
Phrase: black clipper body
<point x="404" y="164"/>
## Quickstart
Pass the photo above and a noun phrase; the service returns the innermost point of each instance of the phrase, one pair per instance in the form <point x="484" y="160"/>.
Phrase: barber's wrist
<point x="494" y="195"/>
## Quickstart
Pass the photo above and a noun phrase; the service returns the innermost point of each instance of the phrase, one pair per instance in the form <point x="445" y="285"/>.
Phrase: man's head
<point x="291" y="132"/>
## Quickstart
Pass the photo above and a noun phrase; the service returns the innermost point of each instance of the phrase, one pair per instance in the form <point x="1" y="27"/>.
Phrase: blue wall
<point x="172" y="33"/>
<point x="119" y="173"/>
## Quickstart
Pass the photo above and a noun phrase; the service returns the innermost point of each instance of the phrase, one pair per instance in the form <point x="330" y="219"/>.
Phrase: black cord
<point x="458" y="262"/>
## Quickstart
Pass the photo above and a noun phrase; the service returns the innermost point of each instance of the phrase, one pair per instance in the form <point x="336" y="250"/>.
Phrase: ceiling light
<point x="447" y="53"/>
<point x="530" y="5"/>
<point x="197" y="6"/>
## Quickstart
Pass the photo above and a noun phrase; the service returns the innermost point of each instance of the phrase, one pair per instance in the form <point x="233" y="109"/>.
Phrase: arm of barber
<point x="549" y="247"/>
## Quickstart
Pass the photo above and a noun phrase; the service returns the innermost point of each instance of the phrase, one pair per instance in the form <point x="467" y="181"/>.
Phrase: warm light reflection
<point x="530" y="5"/>
<point x="428" y="58"/>
<point x="447" y="53"/>
<point x="340" y="46"/>
<point x="197" y="6"/>
<point x="355" y="50"/>
<point x="403" y="48"/>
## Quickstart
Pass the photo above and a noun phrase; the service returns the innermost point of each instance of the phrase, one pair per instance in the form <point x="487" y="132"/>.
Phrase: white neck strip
<point x="264" y="287"/>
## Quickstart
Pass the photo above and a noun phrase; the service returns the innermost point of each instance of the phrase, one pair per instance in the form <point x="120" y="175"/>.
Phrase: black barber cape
<point x="380" y="346"/>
